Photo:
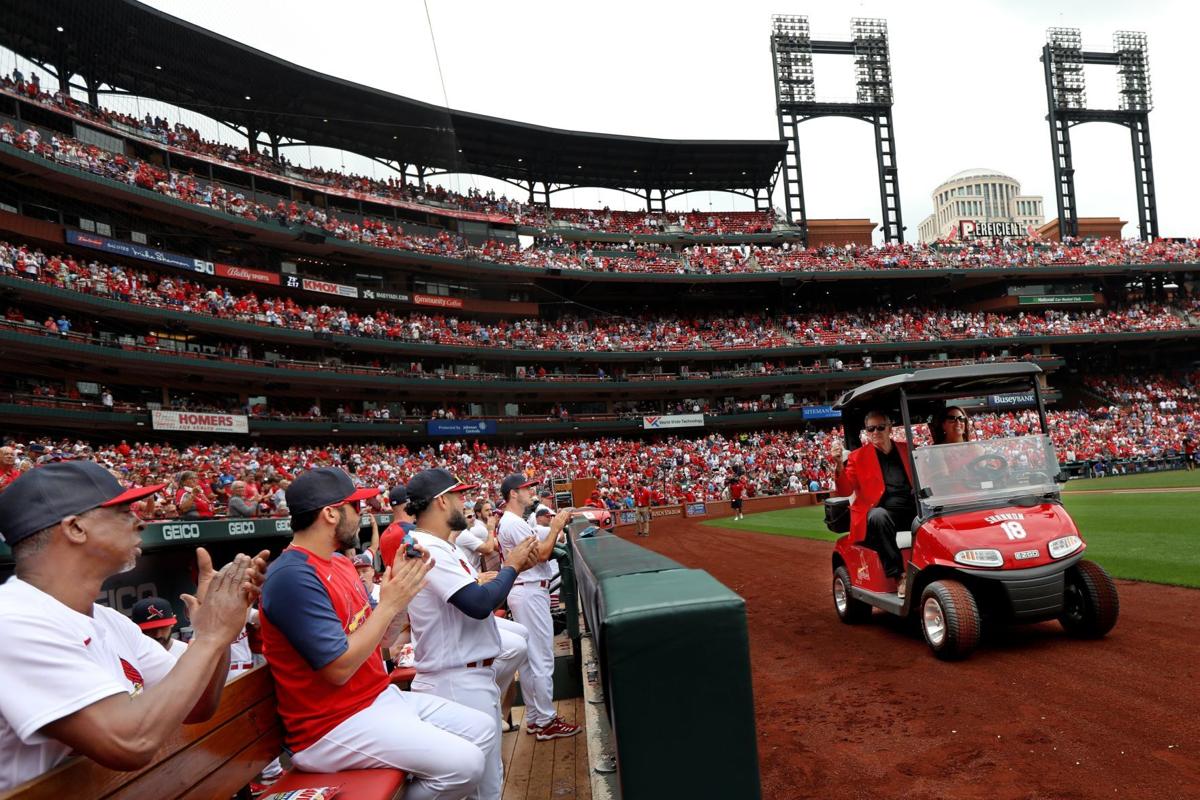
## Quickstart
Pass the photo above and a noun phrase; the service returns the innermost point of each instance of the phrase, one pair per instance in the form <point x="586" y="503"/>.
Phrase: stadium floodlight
<point x="872" y="63"/>
<point x="791" y="46"/>
<point x="1133" y="70"/>
<point x="792" y="50"/>
<point x="1063" y="60"/>
<point x="1066" y="67"/>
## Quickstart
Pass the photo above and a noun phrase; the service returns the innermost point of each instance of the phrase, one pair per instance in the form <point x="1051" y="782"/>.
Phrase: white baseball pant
<point x="440" y="743"/>
<point x="473" y="687"/>
<point x="530" y="604"/>
<point x="514" y="650"/>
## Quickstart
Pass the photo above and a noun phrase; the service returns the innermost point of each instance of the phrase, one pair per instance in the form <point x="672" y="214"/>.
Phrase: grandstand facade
<point x="147" y="271"/>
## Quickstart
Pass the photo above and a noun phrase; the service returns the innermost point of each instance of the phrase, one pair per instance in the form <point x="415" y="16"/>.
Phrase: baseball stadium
<point x="375" y="426"/>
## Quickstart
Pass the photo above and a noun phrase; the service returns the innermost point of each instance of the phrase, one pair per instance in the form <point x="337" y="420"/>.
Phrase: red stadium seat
<point x="355" y="784"/>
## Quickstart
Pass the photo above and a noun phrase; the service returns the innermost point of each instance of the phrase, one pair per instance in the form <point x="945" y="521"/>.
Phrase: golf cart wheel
<point x="850" y="610"/>
<point x="1090" y="602"/>
<point x="949" y="619"/>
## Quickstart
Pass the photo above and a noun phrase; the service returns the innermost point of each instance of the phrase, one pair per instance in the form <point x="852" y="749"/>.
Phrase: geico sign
<point x="183" y="530"/>
<point x="240" y="528"/>
<point x="665" y="512"/>
<point x="283" y="525"/>
<point x="123" y="598"/>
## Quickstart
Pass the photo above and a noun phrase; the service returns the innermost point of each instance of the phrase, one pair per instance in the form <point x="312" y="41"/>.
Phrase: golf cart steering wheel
<point x="989" y="467"/>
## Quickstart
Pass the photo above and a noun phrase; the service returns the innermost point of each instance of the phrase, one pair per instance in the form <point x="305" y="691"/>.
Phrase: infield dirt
<point x="867" y="712"/>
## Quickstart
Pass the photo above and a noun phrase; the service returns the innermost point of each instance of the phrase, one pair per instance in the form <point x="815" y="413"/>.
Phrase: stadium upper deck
<point x="150" y="50"/>
<point x="747" y="262"/>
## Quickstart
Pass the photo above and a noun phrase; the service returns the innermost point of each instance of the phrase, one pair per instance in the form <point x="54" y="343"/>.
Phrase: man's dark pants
<point x="882" y="525"/>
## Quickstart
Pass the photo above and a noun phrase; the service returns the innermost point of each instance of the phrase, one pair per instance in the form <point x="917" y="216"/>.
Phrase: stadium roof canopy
<point x="132" y="47"/>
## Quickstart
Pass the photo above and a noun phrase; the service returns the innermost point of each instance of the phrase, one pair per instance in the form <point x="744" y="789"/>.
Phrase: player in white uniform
<point x="477" y="540"/>
<point x="530" y="604"/>
<point x="82" y="677"/>
<point x="455" y="637"/>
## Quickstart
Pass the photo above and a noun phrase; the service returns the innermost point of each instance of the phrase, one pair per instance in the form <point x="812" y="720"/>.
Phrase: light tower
<point x="1063" y="58"/>
<point x="792" y="50"/>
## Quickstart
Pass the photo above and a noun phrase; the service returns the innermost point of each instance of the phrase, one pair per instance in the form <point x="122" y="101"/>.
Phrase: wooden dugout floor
<point x="553" y="770"/>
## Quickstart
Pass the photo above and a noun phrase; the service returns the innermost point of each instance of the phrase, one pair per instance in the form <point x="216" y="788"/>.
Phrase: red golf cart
<point x="991" y="541"/>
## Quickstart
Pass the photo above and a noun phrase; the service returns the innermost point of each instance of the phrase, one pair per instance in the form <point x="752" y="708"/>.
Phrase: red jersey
<point x="641" y="497"/>
<point x="309" y="607"/>
<point x="737" y="490"/>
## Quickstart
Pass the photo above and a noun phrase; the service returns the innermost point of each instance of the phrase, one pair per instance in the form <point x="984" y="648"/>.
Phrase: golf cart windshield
<point x="991" y="469"/>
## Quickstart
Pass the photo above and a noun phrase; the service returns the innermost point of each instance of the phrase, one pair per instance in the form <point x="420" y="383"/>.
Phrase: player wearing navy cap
<point x="155" y="617"/>
<point x="80" y="677"/>
<point x="455" y="638"/>
<point x="530" y="604"/>
<point x="321" y="639"/>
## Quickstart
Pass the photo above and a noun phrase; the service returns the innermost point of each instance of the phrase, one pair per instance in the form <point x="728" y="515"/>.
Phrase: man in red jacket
<point x="879" y="477"/>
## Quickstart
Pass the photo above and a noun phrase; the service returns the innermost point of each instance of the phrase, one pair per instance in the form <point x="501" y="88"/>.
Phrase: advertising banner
<point x="977" y="229"/>
<point x="380" y="294"/>
<point x="697" y="509"/>
<point x="138" y="251"/>
<point x="673" y="421"/>
<point x="328" y="287"/>
<point x="820" y="412"/>
<point x="437" y="300"/>
<point x="1021" y="400"/>
<point x="199" y="421"/>
<point x="665" y="511"/>
<point x="246" y="274"/>
<point x="461" y="427"/>
<point x="1054" y="299"/>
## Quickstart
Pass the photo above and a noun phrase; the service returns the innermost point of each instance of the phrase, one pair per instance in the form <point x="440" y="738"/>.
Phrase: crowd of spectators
<point x="755" y="332"/>
<point x="675" y="468"/>
<point x="180" y="136"/>
<point x="700" y="259"/>
<point x="1179" y="391"/>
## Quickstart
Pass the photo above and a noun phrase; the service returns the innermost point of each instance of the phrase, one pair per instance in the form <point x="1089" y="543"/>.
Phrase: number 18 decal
<point x="1014" y="530"/>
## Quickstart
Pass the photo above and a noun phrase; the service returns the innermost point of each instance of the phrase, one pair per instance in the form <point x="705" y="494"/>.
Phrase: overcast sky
<point x="967" y="82"/>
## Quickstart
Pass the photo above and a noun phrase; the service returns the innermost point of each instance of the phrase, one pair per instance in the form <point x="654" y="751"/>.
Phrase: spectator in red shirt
<point x="641" y="505"/>
<point x="190" y="499"/>
<point x="737" y="488"/>
<point x="8" y="467"/>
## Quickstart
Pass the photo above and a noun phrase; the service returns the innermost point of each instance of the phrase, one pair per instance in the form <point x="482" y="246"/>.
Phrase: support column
<point x="889" y="178"/>
<point x="1143" y="174"/>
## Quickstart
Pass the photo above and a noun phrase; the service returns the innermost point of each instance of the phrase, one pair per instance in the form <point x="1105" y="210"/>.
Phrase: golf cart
<point x="991" y="540"/>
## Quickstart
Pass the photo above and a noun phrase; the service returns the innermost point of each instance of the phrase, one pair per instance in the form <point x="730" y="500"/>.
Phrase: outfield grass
<point x="1148" y="480"/>
<point x="1146" y="537"/>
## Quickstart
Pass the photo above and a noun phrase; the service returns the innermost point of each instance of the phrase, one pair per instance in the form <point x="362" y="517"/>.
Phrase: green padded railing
<point x="674" y="656"/>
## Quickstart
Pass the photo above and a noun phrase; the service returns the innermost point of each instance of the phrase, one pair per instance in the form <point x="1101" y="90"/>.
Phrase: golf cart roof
<point x="928" y="390"/>
<point x="965" y="381"/>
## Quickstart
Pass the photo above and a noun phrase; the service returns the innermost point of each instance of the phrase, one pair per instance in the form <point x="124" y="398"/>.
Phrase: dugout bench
<point x="213" y="759"/>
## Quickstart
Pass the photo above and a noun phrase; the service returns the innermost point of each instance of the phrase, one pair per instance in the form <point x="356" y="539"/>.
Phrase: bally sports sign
<point x="199" y="421"/>
<point x="673" y="421"/>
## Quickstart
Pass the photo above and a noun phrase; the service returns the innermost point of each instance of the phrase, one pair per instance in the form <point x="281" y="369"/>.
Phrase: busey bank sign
<point x="1019" y="400"/>
<point x="199" y="421"/>
<point x="976" y="229"/>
